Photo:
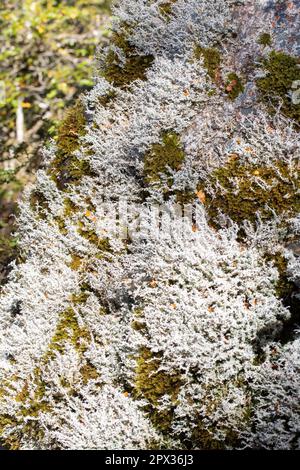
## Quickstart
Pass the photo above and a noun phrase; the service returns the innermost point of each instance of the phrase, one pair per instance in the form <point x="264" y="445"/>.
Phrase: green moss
<point x="66" y="168"/>
<point x="168" y="153"/>
<point x="70" y="208"/>
<point x="39" y="203"/>
<point x="68" y="331"/>
<point x="104" y="100"/>
<point x="281" y="71"/>
<point x="152" y="384"/>
<point x="76" y="262"/>
<point x="284" y="287"/>
<point x="234" y="86"/>
<point x="212" y="59"/>
<point x="265" y="39"/>
<point x="89" y="372"/>
<point x="122" y="74"/>
<point x="244" y="196"/>
<point x="166" y="8"/>
<point x="90" y="235"/>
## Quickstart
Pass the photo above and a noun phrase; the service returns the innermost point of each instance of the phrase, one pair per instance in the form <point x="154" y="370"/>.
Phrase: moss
<point x="66" y="168"/>
<point x="39" y="203"/>
<point x="104" y="100"/>
<point x="90" y="235"/>
<point x="168" y="153"/>
<point x="284" y="287"/>
<point x="244" y="196"/>
<point x="70" y="207"/>
<point x="68" y="331"/>
<point x="88" y="372"/>
<point x="166" y="8"/>
<point x="234" y="86"/>
<point x="152" y="384"/>
<point x="61" y="225"/>
<point x="134" y="68"/>
<point x="211" y="58"/>
<point x="281" y="71"/>
<point x="76" y="262"/>
<point x="265" y="39"/>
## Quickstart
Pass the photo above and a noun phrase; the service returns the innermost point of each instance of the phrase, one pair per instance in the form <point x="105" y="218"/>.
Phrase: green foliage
<point x="275" y="88"/>
<point x="168" y="153"/>
<point x="135" y="66"/>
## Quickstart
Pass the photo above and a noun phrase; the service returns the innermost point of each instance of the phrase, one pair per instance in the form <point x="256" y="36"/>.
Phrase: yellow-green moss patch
<point x="161" y="156"/>
<point x="281" y="70"/>
<point x="265" y="39"/>
<point x="152" y="384"/>
<point x="134" y="68"/>
<point x="252" y="188"/>
<point x="211" y="59"/>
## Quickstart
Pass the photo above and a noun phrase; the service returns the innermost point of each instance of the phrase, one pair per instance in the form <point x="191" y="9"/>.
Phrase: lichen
<point x="281" y="71"/>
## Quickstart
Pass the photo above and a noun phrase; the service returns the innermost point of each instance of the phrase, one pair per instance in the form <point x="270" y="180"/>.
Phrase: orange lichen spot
<point x="153" y="283"/>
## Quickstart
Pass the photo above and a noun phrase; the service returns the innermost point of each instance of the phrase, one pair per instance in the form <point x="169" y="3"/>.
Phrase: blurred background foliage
<point x="46" y="60"/>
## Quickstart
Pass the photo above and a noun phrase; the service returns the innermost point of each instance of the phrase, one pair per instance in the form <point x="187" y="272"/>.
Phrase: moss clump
<point x="152" y="384"/>
<point x="282" y="70"/>
<point x="68" y="331"/>
<point x="211" y="58"/>
<point x="234" y="86"/>
<point x="265" y="39"/>
<point x="88" y="372"/>
<point x="161" y="156"/>
<point x="284" y="288"/>
<point x="66" y="168"/>
<point x="70" y="208"/>
<point x="76" y="262"/>
<point x="104" y="100"/>
<point x="166" y="8"/>
<point x="39" y="203"/>
<point x="244" y="195"/>
<point x="90" y="235"/>
<point x="134" y="68"/>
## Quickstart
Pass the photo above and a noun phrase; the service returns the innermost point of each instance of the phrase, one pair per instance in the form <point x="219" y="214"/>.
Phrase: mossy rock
<point x="282" y="70"/>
